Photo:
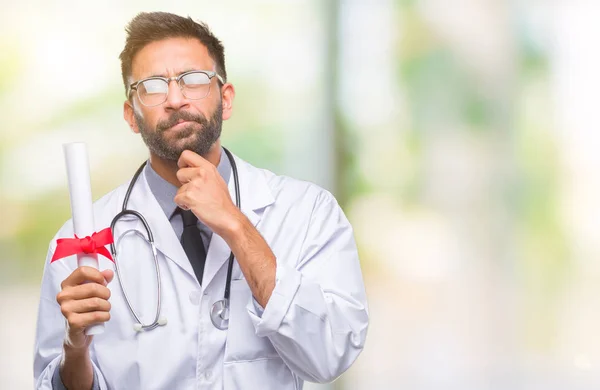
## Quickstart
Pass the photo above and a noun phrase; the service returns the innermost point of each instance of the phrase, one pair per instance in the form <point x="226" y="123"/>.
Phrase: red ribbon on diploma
<point x="94" y="244"/>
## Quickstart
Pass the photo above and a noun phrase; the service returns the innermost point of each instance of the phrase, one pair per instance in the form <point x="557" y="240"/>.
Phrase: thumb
<point x="108" y="275"/>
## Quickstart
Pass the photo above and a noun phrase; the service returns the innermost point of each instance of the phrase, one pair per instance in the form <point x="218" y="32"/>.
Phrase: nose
<point x="175" y="98"/>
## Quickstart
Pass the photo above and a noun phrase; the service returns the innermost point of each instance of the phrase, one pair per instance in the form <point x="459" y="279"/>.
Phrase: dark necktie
<point x="192" y="243"/>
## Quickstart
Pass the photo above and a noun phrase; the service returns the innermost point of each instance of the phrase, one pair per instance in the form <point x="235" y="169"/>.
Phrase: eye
<point x="153" y="86"/>
<point x="195" y="79"/>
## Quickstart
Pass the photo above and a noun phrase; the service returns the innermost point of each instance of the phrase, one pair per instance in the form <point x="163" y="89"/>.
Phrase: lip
<point x="179" y="125"/>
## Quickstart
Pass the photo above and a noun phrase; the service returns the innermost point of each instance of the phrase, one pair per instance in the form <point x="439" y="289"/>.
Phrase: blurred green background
<point x="460" y="136"/>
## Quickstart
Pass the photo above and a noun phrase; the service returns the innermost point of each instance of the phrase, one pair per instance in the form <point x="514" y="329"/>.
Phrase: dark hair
<point x="148" y="27"/>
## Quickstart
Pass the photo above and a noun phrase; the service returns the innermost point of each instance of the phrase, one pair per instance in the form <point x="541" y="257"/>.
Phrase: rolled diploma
<point x="80" y="191"/>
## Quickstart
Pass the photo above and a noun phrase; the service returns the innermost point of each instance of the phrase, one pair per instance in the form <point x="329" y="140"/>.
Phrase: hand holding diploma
<point x="84" y="296"/>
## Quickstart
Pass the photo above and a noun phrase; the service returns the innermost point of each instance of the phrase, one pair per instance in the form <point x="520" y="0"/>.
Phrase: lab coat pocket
<point x="260" y="374"/>
<point x="242" y="341"/>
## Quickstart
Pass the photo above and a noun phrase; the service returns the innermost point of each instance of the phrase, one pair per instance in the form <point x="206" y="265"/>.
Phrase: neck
<point x="167" y="169"/>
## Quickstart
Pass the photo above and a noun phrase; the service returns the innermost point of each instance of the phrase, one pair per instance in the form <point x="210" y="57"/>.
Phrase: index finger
<point x="83" y="274"/>
<point x="191" y="159"/>
<point x="185" y="175"/>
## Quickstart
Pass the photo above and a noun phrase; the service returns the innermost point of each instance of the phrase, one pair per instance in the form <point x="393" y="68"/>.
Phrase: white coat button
<point x="207" y="374"/>
<point x="195" y="297"/>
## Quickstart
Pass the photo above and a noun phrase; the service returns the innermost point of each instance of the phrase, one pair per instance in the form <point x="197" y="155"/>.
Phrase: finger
<point x="83" y="291"/>
<point x="182" y="199"/>
<point x="191" y="159"/>
<point x="84" y="306"/>
<point x="108" y="275"/>
<point x="81" y="275"/>
<point x="185" y="175"/>
<point x="81" y="321"/>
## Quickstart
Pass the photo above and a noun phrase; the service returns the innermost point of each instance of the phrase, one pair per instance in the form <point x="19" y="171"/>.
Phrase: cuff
<point x="267" y="320"/>
<point x="258" y="309"/>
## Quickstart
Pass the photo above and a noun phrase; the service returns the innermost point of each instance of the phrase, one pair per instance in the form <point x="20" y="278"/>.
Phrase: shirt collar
<point x="165" y="192"/>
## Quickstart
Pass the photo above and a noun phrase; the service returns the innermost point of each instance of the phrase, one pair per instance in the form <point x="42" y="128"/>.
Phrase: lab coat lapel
<point x="255" y="196"/>
<point x="166" y="241"/>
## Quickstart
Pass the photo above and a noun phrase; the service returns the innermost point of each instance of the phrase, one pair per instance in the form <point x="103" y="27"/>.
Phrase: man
<point x="297" y="308"/>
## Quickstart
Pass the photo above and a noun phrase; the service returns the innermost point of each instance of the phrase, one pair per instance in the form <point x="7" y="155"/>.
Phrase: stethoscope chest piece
<point x="219" y="314"/>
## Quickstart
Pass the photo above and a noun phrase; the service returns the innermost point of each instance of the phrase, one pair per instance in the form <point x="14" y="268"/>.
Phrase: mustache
<point x="180" y="115"/>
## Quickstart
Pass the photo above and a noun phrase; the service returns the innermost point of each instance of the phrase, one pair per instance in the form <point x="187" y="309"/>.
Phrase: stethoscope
<point x="219" y="313"/>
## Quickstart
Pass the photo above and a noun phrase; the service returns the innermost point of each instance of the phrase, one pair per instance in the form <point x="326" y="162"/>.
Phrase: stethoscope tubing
<point x="224" y="313"/>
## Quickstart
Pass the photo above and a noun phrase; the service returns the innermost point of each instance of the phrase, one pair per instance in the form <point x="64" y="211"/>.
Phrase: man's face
<point x="179" y="123"/>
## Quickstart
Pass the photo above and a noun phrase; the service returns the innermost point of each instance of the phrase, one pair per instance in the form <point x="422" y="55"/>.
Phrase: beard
<point x="197" y="140"/>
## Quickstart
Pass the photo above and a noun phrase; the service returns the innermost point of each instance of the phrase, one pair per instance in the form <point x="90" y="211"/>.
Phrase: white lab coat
<point x="313" y="327"/>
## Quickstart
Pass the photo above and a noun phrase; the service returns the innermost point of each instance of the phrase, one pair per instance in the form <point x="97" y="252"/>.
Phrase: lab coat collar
<point x="255" y="196"/>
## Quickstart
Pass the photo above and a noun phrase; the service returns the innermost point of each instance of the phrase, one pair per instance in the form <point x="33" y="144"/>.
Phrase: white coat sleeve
<point x="50" y="330"/>
<point x="317" y="316"/>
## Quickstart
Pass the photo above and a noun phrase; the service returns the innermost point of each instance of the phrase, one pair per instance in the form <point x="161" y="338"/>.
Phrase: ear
<point x="227" y="95"/>
<point x="129" y="116"/>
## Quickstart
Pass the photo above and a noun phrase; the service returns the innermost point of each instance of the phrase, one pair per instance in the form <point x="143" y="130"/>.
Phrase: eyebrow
<point x="165" y="76"/>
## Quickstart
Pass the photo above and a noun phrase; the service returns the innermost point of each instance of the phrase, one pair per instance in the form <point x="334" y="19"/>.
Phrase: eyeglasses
<point x="194" y="85"/>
